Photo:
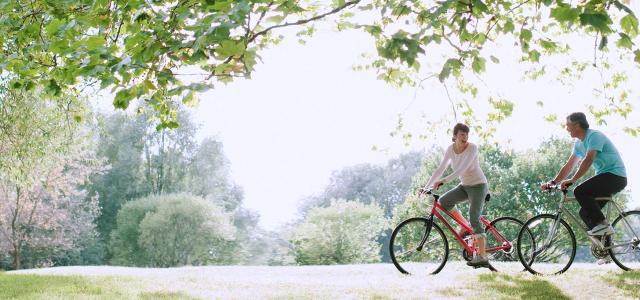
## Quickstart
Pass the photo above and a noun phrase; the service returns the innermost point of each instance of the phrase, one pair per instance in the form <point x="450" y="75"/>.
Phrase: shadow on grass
<point x="505" y="286"/>
<point x="628" y="282"/>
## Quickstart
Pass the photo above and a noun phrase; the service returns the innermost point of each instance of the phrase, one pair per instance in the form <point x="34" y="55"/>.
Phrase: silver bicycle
<point x="547" y="245"/>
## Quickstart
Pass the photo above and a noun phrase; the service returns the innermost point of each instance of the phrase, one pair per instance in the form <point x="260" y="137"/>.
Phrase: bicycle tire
<point x="405" y="239"/>
<point x="538" y="228"/>
<point x="621" y="235"/>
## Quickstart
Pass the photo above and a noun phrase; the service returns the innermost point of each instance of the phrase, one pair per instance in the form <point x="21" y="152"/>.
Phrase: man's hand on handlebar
<point x="565" y="184"/>
<point x="548" y="185"/>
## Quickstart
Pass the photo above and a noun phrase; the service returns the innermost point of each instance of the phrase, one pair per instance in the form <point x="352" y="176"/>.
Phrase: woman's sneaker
<point x="478" y="261"/>
<point x="601" y="229"/>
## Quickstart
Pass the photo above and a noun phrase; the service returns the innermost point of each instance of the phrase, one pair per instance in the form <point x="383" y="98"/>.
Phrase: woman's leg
<point x="450" y="199"/>
<point x="456" y="214"/>
<point x="477" y="194"/>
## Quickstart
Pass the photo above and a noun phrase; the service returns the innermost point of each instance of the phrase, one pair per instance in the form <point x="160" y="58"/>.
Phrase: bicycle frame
<point x="436" y="211"/>
<point x="576" y="221"/>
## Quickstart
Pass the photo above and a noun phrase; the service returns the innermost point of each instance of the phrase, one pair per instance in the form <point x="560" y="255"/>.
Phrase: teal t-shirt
<point x="607" y="157"/>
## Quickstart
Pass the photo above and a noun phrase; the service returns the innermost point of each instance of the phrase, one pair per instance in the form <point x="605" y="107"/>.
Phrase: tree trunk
<point x="16" y="256"/>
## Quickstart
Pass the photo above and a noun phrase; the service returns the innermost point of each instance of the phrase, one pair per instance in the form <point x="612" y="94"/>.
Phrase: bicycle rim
<point x="406" y="254"/>
<point x="541" y="253"/>
<point x="627" y="256"/>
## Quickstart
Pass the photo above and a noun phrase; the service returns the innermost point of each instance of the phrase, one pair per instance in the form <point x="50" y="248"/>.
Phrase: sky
<point x="306" y="113"/>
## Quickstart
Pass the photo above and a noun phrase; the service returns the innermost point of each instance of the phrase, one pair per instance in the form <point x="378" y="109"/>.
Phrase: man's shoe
<point x="478" y="261"/>
<point x="601" y="229"/>
<point x="602" y="261"/>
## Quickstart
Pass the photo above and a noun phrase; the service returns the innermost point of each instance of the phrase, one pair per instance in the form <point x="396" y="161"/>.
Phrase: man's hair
<point x="459" y="127"/>
<point x="580" y="118"/>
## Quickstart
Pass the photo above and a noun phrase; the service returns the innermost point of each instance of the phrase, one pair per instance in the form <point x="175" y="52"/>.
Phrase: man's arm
<point x="584" y="165"/>
<point x="568" y="166"/>
<point x="582" y="169"/>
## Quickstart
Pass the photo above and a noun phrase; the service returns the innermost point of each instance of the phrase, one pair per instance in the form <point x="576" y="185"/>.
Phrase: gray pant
<point x="476" y="194"/>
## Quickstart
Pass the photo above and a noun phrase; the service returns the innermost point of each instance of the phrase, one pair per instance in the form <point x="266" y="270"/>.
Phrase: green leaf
<point x="444" y="73"/>
<point x="599" y="21"/>
<point x="95" y="42"/>
<point x="624" y="41"/>
<point x="53" y="27"/>
<point x="637" y="58"/>
<point x="479" y="7"/>
<point x="548" y="45"/>
<point x="603" y="42"/>
<point x="565" y="14"/>
<point x="480" y="39"/>
<point x="478" y="64"/>
<point x="534" y="56"/>
<point x="275" y="19"/>
<point x="629" y="25"/>
<point x="53" y="88"/>
<point x="494" y="59"/>
<point x="508" y="27"/>
<point x="191" y="99"/>
<point x="525" y="35"/>
<point x="122" y="99"/>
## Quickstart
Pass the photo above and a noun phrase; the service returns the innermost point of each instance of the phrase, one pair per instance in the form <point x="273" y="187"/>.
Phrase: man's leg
<point x="601" y="185"/>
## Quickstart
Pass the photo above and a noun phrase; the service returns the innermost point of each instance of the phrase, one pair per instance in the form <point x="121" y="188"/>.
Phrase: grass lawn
<point x="375" y="281"/>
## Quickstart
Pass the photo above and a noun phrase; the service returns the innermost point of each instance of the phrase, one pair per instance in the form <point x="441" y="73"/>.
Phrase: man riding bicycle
<point x="592" y="147"/>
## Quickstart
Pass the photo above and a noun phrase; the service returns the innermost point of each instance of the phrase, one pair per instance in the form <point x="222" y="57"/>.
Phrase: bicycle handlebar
<point x="558" y="187"/>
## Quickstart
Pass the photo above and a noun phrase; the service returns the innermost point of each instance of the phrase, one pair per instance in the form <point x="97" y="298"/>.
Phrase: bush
<point x="344" y="233"/>
<point x="172" y="230"/>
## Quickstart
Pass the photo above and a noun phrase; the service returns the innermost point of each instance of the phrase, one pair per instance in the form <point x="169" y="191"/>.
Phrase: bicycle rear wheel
<point x="543" y="251"/>
<point x="418" y="247"/>
<point x="627" y="255"/>
<point x="498" y="232"/>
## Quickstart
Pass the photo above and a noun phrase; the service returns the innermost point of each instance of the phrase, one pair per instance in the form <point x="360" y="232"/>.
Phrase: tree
<point x="343" y="233"/>
<point x="143" y="49"/>
<point x="121" y="141"/>
<point x="385" y="185"/>
<point x="186" y="230"/>
<point x="172" y="230"/>
<point x="44" y="211"/>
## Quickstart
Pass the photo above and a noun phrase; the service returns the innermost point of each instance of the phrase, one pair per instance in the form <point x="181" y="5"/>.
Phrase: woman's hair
<point x="580" y="118"/>
<point x="459" y="127"/>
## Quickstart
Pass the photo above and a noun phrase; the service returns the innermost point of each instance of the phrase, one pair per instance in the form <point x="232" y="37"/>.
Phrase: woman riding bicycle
<point x="463" y="157"/>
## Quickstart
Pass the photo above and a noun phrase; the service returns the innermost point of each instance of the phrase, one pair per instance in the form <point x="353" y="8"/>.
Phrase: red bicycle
<point x="419" y="245"/>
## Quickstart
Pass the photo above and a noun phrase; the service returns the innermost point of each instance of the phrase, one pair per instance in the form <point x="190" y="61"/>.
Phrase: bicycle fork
<point x="552" y="233"/>
<point x="427" y="231"/>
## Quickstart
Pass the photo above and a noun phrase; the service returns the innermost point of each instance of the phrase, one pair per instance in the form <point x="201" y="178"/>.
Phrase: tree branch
<point x="301" y="22"/>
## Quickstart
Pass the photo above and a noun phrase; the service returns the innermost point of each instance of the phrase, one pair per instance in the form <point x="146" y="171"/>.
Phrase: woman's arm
<point x="440" y="170"/>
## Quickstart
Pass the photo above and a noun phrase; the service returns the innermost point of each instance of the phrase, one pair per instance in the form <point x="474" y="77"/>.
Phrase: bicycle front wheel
<point x="546" y="246"/>
<point x="625" y="251"/>
<point x="502" y="237"/>
<point x="418" y="247"/>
